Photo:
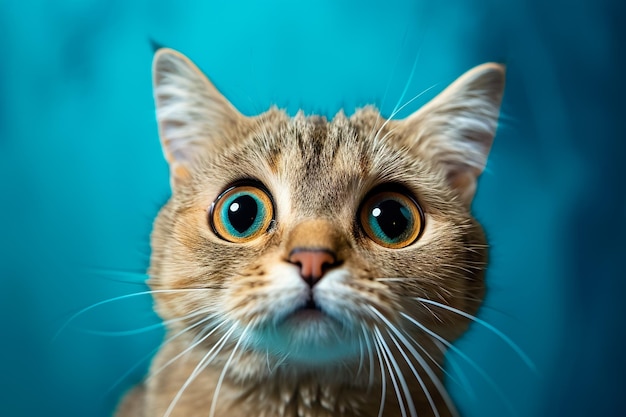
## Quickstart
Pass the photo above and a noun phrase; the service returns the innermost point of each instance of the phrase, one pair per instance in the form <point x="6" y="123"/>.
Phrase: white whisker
<point x="156" y="349"/>
<point x="382" y="352"/>
<point x="143" y="329"/>
<point x="282" y="360"/>
<point x="466" y="358"/>
<point x="395" y="279"/>
<point x="463" y="381"/>
<point x="368" y="347"/>
<point x="188" y="349"/>
<point x="400" y="109"/>
<point x="223" y="374"/>
<point x="408" y="83"/>
<point x="429" y="356"/>
<point x="204" y="362"/>
<point x="416" y="373"/>
<point x="111" y="300"/>
<point x="488" y="326"/>
<point x="361" y="357"/>
<point x="383" y="378"/>
<point x="400" y="376"/>
<point x="423" y="364"/>
<point x="461" y="267"/>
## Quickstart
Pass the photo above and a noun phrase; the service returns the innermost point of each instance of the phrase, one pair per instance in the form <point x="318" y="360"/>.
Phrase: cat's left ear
<point x="193" y="116"/>
<point x="455" y="130"/>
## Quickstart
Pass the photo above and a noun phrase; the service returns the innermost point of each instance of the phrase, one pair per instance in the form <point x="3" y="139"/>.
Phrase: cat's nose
<point x="313" y="263"/>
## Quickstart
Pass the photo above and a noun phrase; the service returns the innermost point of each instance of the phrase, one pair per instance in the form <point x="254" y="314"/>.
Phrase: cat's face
<point x="305" y="240"/>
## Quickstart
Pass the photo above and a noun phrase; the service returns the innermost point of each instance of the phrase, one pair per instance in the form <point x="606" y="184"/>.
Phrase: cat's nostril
<point x="313" y="263"/>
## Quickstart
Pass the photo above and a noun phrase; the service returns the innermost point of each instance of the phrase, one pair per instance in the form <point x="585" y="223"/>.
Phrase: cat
<point x="306" y="267"/>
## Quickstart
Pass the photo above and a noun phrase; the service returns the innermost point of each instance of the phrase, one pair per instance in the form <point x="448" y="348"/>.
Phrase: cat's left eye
<point x="241" y="213"/>
<point x="392" y="219"/>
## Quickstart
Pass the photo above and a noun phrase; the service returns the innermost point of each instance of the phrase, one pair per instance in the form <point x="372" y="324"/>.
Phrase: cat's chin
<point x="308" y="337"/>
<point x="306" y="317"/>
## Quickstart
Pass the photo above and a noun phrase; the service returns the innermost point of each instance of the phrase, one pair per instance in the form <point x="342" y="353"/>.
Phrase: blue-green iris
<point x="243" y="214"/>
<point x="390" y="221"/>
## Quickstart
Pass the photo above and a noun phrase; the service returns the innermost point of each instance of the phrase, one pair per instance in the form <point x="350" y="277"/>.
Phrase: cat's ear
<point x="455" y="129"/>
<point x="193" y="116"/>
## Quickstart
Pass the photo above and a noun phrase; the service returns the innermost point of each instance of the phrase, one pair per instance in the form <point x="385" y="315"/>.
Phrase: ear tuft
<point x="154" y="45"/>
<point x="455" y="130"/>
<point x="193" y="116"/>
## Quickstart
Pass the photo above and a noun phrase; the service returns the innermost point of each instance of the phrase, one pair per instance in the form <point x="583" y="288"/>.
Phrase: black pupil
<point x="242" y="213"/>
<point x="391" y="219"/>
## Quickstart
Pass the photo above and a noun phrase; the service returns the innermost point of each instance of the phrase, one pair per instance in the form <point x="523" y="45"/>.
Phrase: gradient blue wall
<point x="82" y="176"/>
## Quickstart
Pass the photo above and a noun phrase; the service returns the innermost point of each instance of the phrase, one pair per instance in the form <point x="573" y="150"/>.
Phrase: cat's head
<point x="305" y="239"/>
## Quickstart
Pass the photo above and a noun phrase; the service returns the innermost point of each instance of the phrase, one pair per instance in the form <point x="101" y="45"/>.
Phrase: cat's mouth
<point x="309" y="334"/>
<point x="310" y="305"/>
<point x="311" y="309"/>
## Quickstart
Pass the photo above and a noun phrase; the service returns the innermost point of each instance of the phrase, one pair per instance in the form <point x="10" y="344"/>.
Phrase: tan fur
<point x="318" y="173"/>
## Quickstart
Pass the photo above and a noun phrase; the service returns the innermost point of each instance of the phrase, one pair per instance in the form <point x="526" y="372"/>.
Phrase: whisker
<point x="282" y="360"/>
<point x="221" y="343"/>
<point x="401" y="379"/>
<point x="408" y="83"/>
<point x="425" y="276"/>
<point x="383" y="375"/>
<point x="462" y="268"/>
<point x="152" y="353"/>
<point x="223" y="374"/>
<point x="204" y="362"/>
<point x="467" y="359"/>
<point x="464" y="382"/>
<point x="142" y="329"/>
<point x="111" y="300"/>
<point x="188" y="349"/>
<point x="429" y="356"/>
<point x="395" y="68"/>
<point x="368" y="347"/>
<point x="267" y="360"/>
<point x="361" y="357"/>
<point x="432" y="313"/>
<point x="438" y="385"/>
<point x="122" y="333"/>
<point x="382" y="103"/>
<point x="397" y="279"/>
<point x="397" y="110"/>
<point x="488" y="326"/>
<point x="415" y="372"/>
<point x="107" y="272"/>
<point x="396" y="388"/>
<point x="125" y="277"/>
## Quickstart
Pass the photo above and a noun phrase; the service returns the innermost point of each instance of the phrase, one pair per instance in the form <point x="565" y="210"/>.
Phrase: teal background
<point x="82" y="176"/>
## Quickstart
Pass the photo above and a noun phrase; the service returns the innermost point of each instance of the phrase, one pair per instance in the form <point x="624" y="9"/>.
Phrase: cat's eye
<point x="392" y="219"/>
<point x="241" y="213"/>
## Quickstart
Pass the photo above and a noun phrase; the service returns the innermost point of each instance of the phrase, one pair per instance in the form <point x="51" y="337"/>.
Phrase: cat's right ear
<point x="193" y="116"/>
<point x="455" y="129"/>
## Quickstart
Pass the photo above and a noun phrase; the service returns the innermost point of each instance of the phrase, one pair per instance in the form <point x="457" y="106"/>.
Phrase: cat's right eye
<point x="241" y="213"/>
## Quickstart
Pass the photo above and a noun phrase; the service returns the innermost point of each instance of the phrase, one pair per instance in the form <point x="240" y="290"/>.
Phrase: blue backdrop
<point x="82" y="176"/>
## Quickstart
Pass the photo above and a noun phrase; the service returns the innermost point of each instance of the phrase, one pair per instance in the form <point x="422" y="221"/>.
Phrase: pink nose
<point x="313" y="263"/>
